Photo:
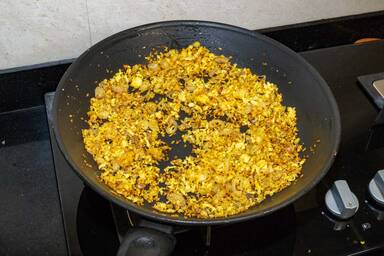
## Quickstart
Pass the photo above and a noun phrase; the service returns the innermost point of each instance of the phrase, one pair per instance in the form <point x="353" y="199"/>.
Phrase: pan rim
<point x="178" y="220"/>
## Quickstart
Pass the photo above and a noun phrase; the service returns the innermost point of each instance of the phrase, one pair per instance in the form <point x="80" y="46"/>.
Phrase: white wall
<point x="37" y="31"/>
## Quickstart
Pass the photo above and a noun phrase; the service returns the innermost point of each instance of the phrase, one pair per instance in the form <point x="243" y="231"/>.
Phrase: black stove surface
<point x="93" y="226"/>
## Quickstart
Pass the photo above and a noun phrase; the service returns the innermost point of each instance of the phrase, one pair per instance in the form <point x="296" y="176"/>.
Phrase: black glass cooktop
<point x="93" y="226"/>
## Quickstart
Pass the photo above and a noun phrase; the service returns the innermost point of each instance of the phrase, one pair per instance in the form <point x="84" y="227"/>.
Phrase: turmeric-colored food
<point x="240" y="142"/>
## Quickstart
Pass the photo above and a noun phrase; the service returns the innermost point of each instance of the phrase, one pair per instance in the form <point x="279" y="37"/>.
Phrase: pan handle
<point x="146" y="242"/>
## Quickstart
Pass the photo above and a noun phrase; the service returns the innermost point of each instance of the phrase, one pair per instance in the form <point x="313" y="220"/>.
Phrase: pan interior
<point x="299" y="83"/>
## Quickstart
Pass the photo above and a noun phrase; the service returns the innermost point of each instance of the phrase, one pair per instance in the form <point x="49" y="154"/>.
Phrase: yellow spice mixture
<point x="243" y="141"/>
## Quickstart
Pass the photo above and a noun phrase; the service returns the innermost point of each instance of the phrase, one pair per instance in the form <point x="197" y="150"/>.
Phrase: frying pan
<point x="299" y="83"/>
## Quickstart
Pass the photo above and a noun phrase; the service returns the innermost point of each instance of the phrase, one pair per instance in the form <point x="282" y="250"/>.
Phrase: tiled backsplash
<point x="37" y="31"/>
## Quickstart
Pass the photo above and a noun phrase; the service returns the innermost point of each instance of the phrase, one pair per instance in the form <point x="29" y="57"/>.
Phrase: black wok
<point x="299" y="83"/>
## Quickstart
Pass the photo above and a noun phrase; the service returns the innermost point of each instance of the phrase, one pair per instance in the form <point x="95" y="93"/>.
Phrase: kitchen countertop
<point x="30" y="218"/>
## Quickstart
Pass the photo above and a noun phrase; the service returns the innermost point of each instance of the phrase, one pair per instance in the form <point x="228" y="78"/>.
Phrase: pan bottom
<point x="257" y="236"/>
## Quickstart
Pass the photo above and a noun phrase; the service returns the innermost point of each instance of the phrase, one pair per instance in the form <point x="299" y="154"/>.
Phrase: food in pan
<point x="192" y="134"/>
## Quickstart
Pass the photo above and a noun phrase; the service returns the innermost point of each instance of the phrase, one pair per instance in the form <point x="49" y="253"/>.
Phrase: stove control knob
<point x="376" y="187"/>
<point x="341" y="201"/>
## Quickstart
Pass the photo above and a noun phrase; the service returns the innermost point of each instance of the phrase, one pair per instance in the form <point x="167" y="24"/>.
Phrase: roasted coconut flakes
<point x="244" y="143"/>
